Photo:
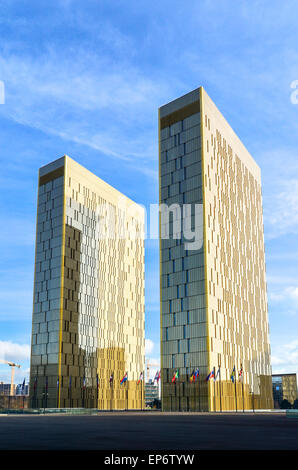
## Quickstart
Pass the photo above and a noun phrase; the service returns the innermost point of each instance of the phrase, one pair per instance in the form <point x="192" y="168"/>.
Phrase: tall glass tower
<point x="88" y="314"/>
<point x="214" y="317"/>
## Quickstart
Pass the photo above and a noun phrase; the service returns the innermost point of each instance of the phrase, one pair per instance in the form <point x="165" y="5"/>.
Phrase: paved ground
<point x="149" y="431"/>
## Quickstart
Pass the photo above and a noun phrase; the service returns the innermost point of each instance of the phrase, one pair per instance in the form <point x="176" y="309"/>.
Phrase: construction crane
<point x="12" y="365"/>
<point x="148" y="365"/>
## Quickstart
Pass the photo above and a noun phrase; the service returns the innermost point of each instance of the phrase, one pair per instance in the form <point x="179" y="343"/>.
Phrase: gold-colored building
<point x="88" y="313"/>
<point x="213" y="290"/>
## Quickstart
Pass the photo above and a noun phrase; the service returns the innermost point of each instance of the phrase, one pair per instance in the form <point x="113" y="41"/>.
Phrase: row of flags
<point x="193" y="377"/>
<point x="196" y="374"/>
<point x="111" y="380"/>
<point x="141" y="378"/>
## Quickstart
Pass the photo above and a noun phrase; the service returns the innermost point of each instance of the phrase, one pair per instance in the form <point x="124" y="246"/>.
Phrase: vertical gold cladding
<point x="204" y="185"/>
<point x="235" y="264"/>
<point x="184" y="339"/>
<point x="103" y="293"/>
<point x="235" y="297"/>
<point x="88" y="309"/>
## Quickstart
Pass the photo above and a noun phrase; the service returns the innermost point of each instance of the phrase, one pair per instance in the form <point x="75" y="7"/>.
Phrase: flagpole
<point x="111" y="392"/>
<point x="96" y="391"/>
<point x="82" y="395"/>
<point x="126" y="392"/>
<point x="84" y="392"/>
<point x="70" y="393"/>
<point x="199" y="389"/>
<point x="242" y="378"/>
<point x="171" y="392"/>
<point x="35" y="392"/>
<point x="235" y="389"/>
<point x="194" y="396"/>
<point x="187" y="398"/>
<point x="143" y="390"/>
<point x="111" y="383"/>
<point x="45" y="394"/>
<point x="141" y="395"/>
<point x="214" y="399"/>
<point x="58" y="382"/>
<point x="44" y="397"/>
<point x="189" y="388"/>
<point x="47" y="387"/>
<point x="23" y="392"/>
<point x="220" y="388"/>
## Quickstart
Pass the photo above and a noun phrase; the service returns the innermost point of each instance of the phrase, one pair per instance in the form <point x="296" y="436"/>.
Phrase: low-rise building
<point x="284" y="388"/>
<point x="151" y="392"/>
<point x="5" y="389"/>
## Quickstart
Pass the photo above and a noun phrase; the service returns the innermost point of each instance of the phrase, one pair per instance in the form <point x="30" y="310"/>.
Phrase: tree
<point x="285" y="405"/>
<point x="156" y="404"/>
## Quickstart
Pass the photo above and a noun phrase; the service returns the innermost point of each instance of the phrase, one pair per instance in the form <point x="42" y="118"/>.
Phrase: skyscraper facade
<point x="88" y="312"/>
<point x="214" y="317"/>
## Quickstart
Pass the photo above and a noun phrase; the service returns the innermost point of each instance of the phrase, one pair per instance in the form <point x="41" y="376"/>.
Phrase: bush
<point x="285" y="405"/>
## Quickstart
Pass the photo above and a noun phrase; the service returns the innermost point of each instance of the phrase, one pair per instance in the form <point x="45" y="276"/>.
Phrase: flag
<point x="175" y="376"/>
<point x="157" y="376"/>
<point x="70" y="381"/>
<point x="194" y="375"/>
<point x="217" y="373"/>
<point x="23" y="386"/>
<point x="241" y="373"/>
<point x="210" y="376"/>
<point x="140" y="378"/>
<point x="233" y="375"/>
<point x="111" y="379"/>
<point x="97" y="381"/>
<point x="124" y="379"/>
<point x="84" y="382"/>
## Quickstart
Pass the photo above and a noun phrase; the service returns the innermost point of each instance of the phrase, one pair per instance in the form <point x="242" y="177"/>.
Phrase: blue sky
<point x="86" y="78"/>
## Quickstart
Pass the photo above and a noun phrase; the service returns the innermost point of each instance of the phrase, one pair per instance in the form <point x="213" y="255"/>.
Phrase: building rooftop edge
<point x="59" y="162"/>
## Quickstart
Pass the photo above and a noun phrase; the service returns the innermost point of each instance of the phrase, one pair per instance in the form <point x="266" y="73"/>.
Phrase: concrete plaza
<point x="150" y="431"/>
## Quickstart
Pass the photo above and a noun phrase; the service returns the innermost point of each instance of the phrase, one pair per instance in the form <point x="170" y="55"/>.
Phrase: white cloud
<point x="289" y="294"/>
<point x="281" y="213"/>
<point x="14" y="352"/>
<point x="87" y="99"/>
<point x="292" y="292"/>
<point x="149" y="346"/>
<point x="284" y="358"/>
